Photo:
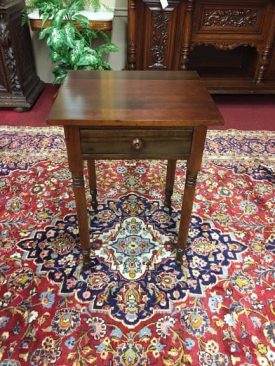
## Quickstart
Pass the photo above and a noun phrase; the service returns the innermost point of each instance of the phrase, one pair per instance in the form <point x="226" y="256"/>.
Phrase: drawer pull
<point x="137" y="143"/>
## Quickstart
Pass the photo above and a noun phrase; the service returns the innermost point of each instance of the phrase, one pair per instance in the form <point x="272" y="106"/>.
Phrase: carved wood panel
<point x="19" y="84"/>
<point x="158" y="49"/>
<point x="3" y="80"/>
<point x="224" y="19"/>
<point x="236" y="18"/>
<point x="14" y="86"/>
<point x="158" y="42"/>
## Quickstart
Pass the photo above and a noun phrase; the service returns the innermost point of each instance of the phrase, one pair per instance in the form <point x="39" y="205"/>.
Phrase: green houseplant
<point x="93" y="4"/>
<point x="73" y="45"/>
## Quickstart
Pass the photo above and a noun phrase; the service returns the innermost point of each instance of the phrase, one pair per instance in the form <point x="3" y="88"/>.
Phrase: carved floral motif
<point x="223" y="45"/>
<point x="159" y="39"/>
<point x="230" y="17"/>
<point x="9" y="56"/>
<point x="4" y="32"/>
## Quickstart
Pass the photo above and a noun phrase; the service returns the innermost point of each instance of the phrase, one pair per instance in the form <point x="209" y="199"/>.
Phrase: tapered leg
<point x="76" y="167"/>
<point x="193" y="167"/>
<point x="170" y="179"/>
<point x="92" y="182"/>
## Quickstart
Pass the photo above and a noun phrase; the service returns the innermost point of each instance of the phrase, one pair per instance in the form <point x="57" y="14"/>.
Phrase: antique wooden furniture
<point x="19" y="83"/>
<point x="134" y="115"/>
<point x="229" y="42"/>
<point x="101" y="20"/>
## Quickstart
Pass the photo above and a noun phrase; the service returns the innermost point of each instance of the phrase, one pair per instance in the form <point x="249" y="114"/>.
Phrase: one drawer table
<point x="134" y="115"/>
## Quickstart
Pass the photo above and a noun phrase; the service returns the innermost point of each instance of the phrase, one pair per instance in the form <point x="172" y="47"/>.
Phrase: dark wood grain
<point x="92" y="182"/>
<point x="170" y="179"/>
<point x="134" y="98"/>
<point x="76" y="167"/>
<point x="193" y="167"/>
<point x="150" y="143"/>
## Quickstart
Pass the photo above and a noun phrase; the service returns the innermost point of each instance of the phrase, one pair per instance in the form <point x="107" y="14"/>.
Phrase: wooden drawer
<point x="135" y="143"/>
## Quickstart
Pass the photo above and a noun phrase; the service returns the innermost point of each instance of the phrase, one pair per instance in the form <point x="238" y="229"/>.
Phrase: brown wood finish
<point x="229" y="42"/>
<point x="133" y="115"/>
<point x="145" y="144"/>
<point x="193" y="167"/>
<point x="92" y="182"/>
<point x="170" y="179"/>
<point x="72" y="138"/>
<point x="19" y="84"/>
<point x="102" y="25"/>
<point x="134" y="99"/>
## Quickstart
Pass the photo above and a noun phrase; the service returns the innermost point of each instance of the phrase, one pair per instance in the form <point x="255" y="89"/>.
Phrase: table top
<point x="134" y="98"/>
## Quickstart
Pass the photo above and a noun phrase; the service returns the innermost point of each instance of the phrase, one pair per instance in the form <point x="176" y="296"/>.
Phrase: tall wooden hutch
<point x="229" y="42"/>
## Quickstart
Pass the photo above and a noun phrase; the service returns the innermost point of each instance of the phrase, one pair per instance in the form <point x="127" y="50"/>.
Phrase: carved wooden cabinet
<point x="229" y="42"/>
<point x="19" y="84"/>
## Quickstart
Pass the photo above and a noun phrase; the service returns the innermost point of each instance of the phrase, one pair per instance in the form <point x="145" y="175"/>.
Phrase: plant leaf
<point x="81" y="20"/>
<point x="56" y="38"/>
<point x="44" y="32"/>
<point x="69" y="32"/>
<point x="87" y="59"/>
<point x="77" y="51"/>
<point x="59" y="18"/>
<point x="45" y="19"/>
<point x="60" y="74"/>
<point x="107" y="48"/>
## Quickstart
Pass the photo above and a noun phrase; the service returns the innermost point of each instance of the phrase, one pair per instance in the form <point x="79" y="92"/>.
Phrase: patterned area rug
<point x="136" y="307"/>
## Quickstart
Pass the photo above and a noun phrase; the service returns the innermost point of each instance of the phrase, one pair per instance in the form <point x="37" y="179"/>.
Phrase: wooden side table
<point x="134" y="115"/>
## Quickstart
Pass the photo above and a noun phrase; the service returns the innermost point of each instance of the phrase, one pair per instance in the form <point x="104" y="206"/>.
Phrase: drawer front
<point x="135" y="144"/>
<point x="224" y="19"/>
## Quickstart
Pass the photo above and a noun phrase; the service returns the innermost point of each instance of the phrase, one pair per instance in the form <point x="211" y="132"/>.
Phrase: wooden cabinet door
<point x="19" y="83"/>
<point x="158" y="35"/>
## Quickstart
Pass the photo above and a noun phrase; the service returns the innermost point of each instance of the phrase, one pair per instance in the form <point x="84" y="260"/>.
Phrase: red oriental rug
<point x="136" y="307"/>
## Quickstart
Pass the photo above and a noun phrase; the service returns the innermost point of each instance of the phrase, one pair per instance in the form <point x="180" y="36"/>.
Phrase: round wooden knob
<point x="137" y="143"/>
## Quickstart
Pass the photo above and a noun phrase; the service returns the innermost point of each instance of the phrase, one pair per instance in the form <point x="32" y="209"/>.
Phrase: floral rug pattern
<point x="136" y="306"/>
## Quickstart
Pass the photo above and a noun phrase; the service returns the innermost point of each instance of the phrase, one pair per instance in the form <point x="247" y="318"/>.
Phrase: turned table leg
<point x="92" y="182"/>
<point x="193" y="167"/>
<point x="170" y="179"/>
<point x="76" y="167"/>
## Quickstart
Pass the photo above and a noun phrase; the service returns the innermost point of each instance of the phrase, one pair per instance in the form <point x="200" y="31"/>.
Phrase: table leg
<point x="170" y="179"/>
<point x="92" y="182"/>
<point x="193" y="167"/>
<point x="76" y="167"/>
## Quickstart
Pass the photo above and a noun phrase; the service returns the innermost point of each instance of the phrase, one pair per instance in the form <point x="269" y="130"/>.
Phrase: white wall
<point x="119" y="34"/>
